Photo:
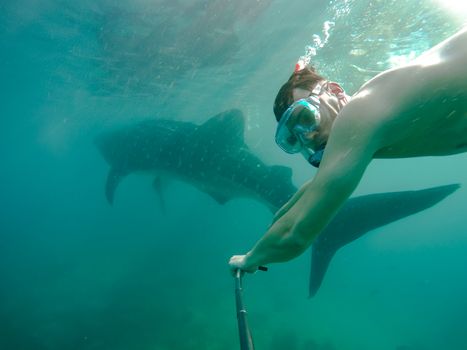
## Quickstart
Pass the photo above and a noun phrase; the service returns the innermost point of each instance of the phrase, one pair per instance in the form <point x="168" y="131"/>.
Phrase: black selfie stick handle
<point x="246" y="340"/>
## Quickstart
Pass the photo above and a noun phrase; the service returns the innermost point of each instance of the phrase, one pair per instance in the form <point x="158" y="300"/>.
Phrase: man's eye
<point x="292" y="140"/>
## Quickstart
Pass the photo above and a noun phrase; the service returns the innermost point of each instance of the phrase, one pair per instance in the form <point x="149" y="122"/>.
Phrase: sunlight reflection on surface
<point x="457" y="7"/>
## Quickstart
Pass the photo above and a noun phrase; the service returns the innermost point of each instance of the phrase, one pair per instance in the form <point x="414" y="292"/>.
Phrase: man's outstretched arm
<point x="349" y="151"/>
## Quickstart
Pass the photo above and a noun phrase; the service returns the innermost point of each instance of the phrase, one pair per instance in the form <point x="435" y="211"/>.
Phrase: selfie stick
<point x="246" y="340"/>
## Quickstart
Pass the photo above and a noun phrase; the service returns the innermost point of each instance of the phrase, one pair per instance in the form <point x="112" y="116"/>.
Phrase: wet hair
<point x="304" y="79"/>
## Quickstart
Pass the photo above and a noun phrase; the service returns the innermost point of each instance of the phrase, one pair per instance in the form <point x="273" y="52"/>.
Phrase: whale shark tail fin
<point x="113" y="180"/>
<point x="353" y="222"/>
<point x="320" y="260"/>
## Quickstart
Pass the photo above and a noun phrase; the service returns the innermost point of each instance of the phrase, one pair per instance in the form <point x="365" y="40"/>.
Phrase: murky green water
<point x="77" y="273"/>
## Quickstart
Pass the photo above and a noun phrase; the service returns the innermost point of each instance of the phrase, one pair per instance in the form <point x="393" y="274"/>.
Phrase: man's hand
<point x="240" y="262"/>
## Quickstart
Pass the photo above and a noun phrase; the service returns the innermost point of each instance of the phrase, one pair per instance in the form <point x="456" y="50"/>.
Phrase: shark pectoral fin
<point x="320" y="259"/>
<point x="113" y="179"/>
<point x="157" y="184"/>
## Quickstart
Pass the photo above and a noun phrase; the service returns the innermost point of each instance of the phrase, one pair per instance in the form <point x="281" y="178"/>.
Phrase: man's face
<point x="299" y="93"/>
<point x="328" y="111"/>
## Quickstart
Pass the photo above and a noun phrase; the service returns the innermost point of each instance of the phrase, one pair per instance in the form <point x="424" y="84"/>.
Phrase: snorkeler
<point x="416" y="110"/>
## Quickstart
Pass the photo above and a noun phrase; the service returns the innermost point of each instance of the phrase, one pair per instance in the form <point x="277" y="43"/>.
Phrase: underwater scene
<point x="138" y="155"/>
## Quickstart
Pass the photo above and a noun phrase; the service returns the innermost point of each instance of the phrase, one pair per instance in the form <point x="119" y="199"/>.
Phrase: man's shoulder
<point x="363" y="120"/>
<point x="385" y="94"/>
<point x="365" y="108"/>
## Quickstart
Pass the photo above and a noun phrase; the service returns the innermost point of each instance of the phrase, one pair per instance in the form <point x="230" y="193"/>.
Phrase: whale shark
<point x="214" y="158"/>
<point x="362" y="214"/>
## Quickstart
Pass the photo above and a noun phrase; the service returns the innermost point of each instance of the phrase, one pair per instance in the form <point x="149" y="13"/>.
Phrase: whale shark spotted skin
<point x="214" y="158"/>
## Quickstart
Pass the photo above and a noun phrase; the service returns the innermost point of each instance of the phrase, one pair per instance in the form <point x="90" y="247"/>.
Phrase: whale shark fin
<point x="228" y="127"/>
<point x="283" y="175"/>
<point x="157" y="184"/>
<point x="113" y="179"/>
<point x="320" y="260"/>
<point x="353" y="222"/>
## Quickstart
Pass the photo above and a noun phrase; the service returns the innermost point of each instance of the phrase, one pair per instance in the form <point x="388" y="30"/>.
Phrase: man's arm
<point x="348" y="152"/>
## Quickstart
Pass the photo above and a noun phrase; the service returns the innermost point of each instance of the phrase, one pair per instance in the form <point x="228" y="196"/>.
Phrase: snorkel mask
<point x="305" y="115"/>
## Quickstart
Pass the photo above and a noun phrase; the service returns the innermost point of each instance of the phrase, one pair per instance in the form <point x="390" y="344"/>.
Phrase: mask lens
<point x="305" y="115"/>
<point x="292" y="140"/>
<point x="287" y="141"/>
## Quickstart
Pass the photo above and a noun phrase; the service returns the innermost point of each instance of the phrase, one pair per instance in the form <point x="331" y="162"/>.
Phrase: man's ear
<point x="339" y="92"/>
<point x="335" y="88"/>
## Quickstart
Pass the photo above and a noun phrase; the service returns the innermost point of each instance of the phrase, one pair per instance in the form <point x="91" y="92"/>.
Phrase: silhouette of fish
<point x="212" y="157"/>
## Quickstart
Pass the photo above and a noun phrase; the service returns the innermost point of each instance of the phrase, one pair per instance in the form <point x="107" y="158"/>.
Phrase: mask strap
<point x="314" y="158"/>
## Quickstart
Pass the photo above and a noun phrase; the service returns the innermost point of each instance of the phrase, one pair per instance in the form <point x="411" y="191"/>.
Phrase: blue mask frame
<point x="293" y="141"/>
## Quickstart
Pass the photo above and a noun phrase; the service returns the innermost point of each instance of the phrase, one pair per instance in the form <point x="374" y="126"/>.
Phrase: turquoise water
<point x="77" y="273"/>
